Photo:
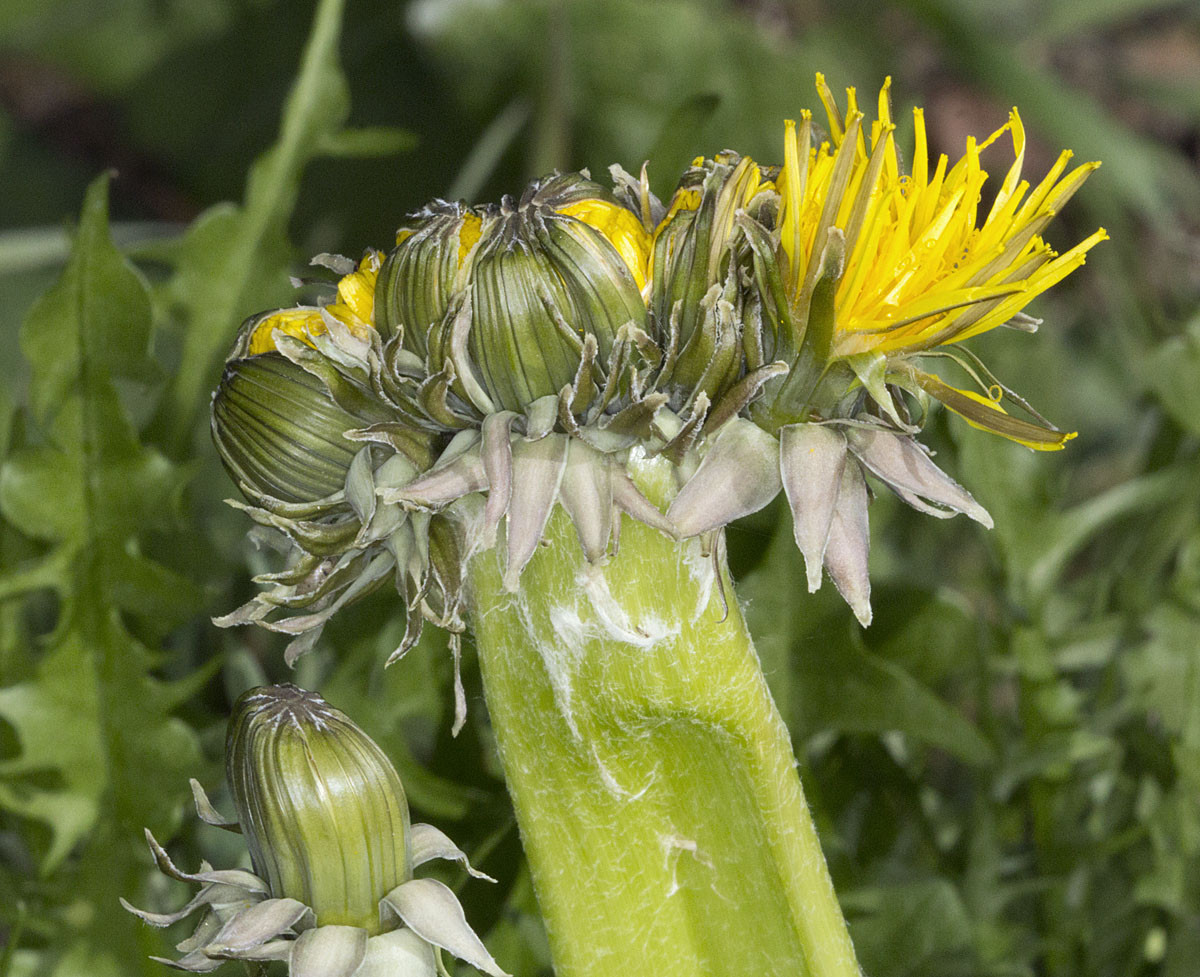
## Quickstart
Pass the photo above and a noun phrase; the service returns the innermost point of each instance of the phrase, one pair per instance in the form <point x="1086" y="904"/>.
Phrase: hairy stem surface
<point x="653" y="777"/>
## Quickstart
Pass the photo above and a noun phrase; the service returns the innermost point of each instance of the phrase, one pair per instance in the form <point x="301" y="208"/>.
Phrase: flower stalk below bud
<point x="653" y="777"/>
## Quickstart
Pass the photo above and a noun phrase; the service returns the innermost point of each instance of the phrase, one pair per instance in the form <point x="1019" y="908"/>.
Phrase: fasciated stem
<point x="653" y="778"/>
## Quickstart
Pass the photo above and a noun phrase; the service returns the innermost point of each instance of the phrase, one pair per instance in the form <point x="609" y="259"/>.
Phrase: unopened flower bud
<point x="422" y="272"/>
<point x="574" y="196"/>
<point x="320" y="805"/>
<point x="695" y="270"/>
<point x="541" y="282"/>
<point x="278" y="430"/>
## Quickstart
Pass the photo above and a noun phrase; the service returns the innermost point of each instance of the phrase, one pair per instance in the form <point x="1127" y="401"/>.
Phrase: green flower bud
<point x="419" y="277"/>
<point x="320" y="805"/>
<point x="695" y="269"/>
<point x="541" y="281"/>
<point x="573" y="195"/>
<point x="279" y="432"/>
<point x="561" y="191"/>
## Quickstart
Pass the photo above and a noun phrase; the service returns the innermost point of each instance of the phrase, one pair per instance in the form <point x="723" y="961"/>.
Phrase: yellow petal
<point x="298" y="322"/>
<point x="620" y="227"/>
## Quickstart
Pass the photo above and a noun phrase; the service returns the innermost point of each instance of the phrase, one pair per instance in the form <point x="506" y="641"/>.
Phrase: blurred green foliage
<point x="1005" y="767"/>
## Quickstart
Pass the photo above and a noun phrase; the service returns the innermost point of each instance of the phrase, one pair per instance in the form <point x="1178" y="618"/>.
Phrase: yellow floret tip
<point x="354" y="307"/>
<point x="620" y="227"/>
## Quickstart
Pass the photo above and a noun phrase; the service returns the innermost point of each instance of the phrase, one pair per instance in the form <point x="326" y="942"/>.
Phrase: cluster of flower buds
<point x="765" y="330"/>
<point x="326" y="822"/>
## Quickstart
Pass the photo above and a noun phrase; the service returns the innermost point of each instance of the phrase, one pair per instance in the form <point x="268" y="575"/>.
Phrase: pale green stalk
<point x="653" y="778"/>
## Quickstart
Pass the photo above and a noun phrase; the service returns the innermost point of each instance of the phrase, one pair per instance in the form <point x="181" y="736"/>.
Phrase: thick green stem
<point x="652" y="775"/>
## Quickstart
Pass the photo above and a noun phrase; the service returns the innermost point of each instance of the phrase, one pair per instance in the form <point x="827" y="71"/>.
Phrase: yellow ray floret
<point x="354" y="307"/>
<point x="922" y="268"/>
<point x="986" y="414"/>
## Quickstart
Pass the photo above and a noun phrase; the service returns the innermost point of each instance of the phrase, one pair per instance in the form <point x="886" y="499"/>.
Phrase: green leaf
<point x="1036" y="543"/>
<point x="1164" y="672"/>
<point x="398" y="704"/>
<point x="907" y="928"/>
<point x="56" y="717"/>
<point x="1172" y="371"/>
<point x="519" y="938"/>
<point x="775" y="613"/>
<point x="7" y="410"/>
<point x="680" y="139"/>
<point x="98" y="754"/>
<point x="106" y="295"/>
<point x="852" y="691"/>
<point x="234" y="260"/>
<point x="928" y="634"/>
<point x="825" y="678"/>
<point x="51" y="494"/>
<point x="369" y="141"/>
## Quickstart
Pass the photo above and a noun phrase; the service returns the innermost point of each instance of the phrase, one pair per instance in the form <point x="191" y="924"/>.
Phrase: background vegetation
<point x="1005" y="768"/>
